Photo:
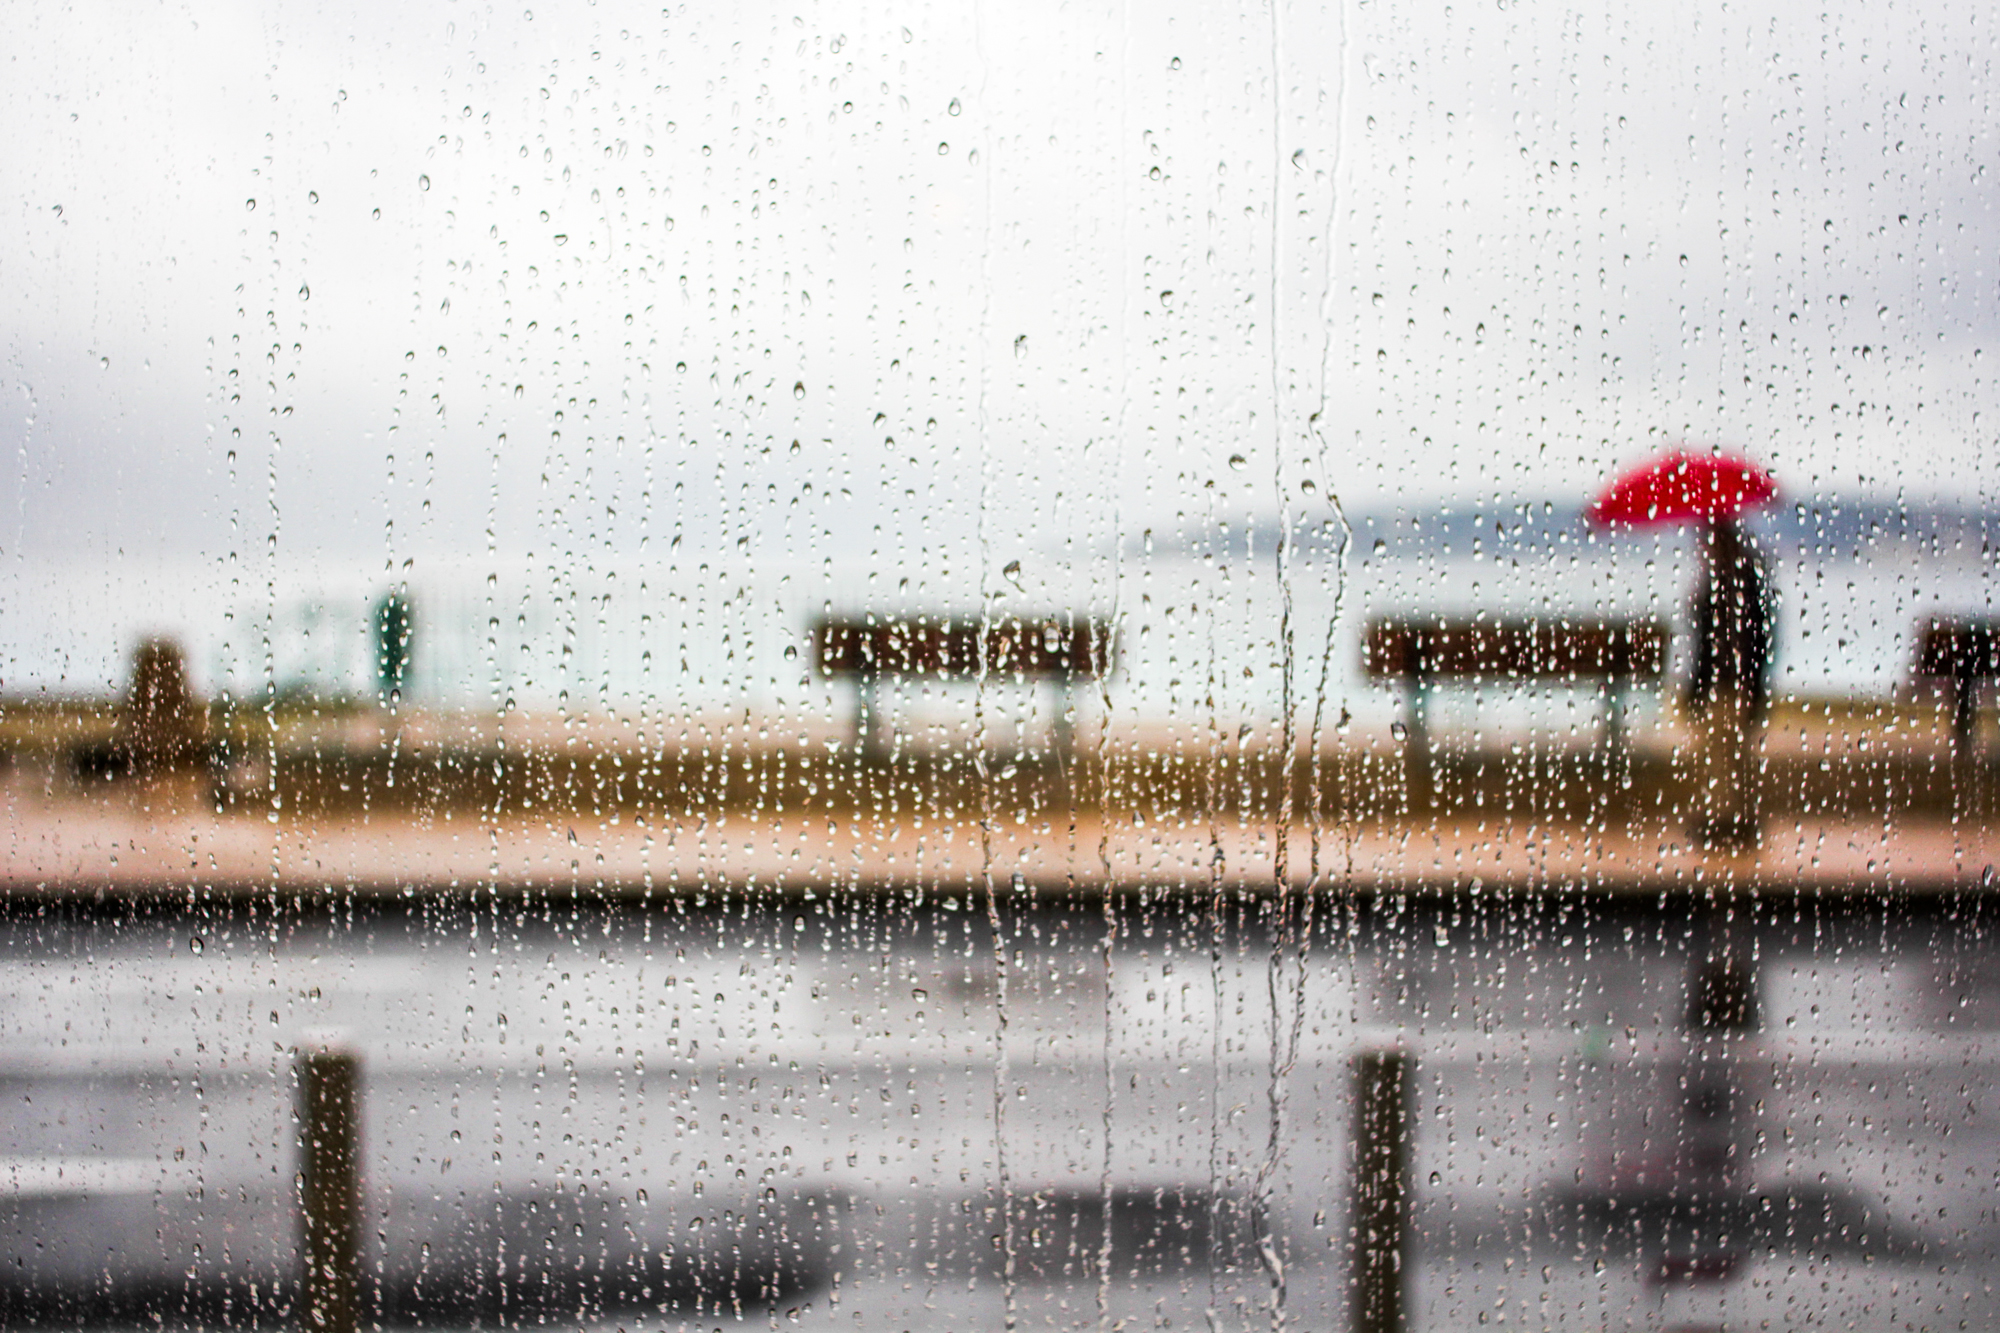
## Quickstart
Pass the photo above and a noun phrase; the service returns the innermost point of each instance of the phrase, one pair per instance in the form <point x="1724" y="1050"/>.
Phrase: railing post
<point x="329" y="1189"/>
<point x="1382" y="1089"/>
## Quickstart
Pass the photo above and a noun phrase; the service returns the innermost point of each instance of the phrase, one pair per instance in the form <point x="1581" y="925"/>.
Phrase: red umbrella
<point x="1683" y="485"/>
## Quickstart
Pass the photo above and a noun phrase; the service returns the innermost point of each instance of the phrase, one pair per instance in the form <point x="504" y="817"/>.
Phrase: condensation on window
<point x="1077" y="667"/>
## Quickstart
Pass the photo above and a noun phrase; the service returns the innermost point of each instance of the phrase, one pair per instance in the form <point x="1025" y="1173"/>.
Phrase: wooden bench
<point x="1059" y="650"/>
<point x="1961" y="656"/>
<point x="1611" y="655"/>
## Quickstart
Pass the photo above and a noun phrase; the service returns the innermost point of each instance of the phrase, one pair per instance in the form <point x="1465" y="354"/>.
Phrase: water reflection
<point x="764" y="1104"/>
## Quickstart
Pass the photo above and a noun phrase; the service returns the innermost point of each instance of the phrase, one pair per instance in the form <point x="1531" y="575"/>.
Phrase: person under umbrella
<point x="1729" y="688"/>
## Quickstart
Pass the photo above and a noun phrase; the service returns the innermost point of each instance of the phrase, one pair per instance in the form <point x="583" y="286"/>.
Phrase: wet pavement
<point x="854" y="1109"/>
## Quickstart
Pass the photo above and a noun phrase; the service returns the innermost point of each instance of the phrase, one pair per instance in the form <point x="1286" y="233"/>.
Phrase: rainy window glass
<point x="978" y="667"/>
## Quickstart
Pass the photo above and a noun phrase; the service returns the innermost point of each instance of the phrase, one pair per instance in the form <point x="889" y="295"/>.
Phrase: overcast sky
<point x="296" y="291"/>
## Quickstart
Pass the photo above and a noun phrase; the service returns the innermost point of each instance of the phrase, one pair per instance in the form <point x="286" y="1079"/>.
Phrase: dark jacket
<point x="1732" y="627"/>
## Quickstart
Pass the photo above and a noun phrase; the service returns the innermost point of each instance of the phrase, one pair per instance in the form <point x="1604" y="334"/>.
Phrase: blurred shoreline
<point x="1858" y="798"/>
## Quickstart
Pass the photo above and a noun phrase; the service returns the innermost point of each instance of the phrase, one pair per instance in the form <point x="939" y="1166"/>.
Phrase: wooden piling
<point x="329" y="1190"/>
<point x="1381" y="1197"/>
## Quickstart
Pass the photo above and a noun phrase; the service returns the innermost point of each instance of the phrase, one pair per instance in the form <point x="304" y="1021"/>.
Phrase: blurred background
<point x="720" y="598"/>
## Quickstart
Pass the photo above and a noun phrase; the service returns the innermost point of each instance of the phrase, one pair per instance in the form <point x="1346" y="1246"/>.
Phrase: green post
<point x="395" y="628"/>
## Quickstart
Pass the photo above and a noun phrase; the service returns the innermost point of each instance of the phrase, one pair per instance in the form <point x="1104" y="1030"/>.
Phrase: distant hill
<point x="1835" y="529"/>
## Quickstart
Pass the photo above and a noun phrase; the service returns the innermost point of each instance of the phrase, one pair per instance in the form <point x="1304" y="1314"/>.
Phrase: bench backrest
<point x="1554" y="649"/>
<point x="950" y="648"/>
<point x="1961" y="651"/>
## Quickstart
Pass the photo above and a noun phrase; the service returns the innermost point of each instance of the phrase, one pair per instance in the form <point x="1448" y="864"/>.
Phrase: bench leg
<point x="1062" y="715"/>
<point x="871" y="739"/>
<point x="1617" y="734"/>
<point x="1964" y="716"/>
<point x="1417" y="758"/>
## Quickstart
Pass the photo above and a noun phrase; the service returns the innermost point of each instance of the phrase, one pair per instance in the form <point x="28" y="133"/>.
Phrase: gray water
<point x="777" y="1111"/>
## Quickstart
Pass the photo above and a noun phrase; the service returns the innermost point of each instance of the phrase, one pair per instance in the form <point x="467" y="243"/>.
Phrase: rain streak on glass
<point x="1097" y="668"/>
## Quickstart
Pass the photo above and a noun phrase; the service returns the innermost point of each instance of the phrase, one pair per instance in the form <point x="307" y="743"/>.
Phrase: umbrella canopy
<point x="1681" y="486"/>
